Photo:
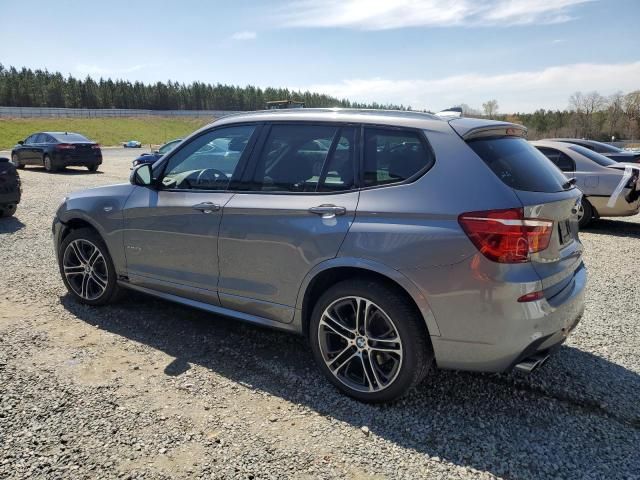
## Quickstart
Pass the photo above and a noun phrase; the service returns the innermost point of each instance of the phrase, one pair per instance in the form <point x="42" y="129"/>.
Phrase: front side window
<point x="32" y="139"/>
<point x="306" y="158"/>
<point x="209" y="161"/>
<point x="393" y="156"/>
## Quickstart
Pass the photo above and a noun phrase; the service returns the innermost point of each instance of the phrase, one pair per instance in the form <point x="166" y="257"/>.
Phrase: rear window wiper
<point x="569" y="183"/>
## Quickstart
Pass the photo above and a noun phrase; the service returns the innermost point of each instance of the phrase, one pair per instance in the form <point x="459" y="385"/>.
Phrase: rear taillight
<point x="531" y="297"/>
<point x="505" y="236"/>
<point x="95" y="146"/>
<point x="65" y="146"/>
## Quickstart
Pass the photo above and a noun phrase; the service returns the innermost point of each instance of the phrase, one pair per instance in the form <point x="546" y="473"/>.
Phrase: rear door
<point x="545" y="194"/>
<point x="292" y="212"/>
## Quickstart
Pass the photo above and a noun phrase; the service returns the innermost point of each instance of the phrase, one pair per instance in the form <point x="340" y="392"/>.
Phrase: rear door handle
<point x="328" y="211"/>
<point x="206" y="207"/>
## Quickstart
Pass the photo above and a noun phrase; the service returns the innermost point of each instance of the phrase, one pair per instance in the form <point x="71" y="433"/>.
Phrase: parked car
<point x="9" y="188"/>
<point x="598" y="177"/>
<point x="153" y="156"/>
<point x="132" y="144"/>
<point x="57" y="150"/>
<point x="411" y="242"/>
<point x="614" y="153"/>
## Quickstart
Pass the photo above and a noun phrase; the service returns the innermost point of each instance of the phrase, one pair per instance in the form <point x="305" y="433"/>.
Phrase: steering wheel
<point x="209" y="175"/>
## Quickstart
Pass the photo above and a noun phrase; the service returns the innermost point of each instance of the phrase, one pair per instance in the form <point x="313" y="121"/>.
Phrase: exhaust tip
<point x="530" y="364"/>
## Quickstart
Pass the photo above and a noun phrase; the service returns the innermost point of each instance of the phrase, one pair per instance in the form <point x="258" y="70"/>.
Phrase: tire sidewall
<point x="587" y="216"/>
<point x="112" y="278"/>
<point x="48" y="165"/>
<point x="395" y="307"/>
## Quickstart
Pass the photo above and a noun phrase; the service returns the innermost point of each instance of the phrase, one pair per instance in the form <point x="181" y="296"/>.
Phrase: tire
<point x="388" y="375"/>
<point x="7" y="210"/>
<point x="587" y="213"/>
<point x="92" y="168"/>
<point x="16" y="161"/>
<point x="90" y="278"/>
<point x="48" y="164"/>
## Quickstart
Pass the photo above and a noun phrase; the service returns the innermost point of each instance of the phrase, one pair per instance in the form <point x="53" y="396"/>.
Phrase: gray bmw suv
<point x="394" y="241"/>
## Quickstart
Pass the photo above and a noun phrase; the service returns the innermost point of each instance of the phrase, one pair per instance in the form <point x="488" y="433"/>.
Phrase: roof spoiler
<point x="453" y="112"/>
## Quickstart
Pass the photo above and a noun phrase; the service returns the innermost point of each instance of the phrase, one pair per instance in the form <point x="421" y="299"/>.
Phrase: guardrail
<point x="35" y="112"/>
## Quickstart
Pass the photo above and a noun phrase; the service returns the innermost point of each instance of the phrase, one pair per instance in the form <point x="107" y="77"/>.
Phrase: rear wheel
<point x="48" y="164"/>
<point x="7" y="210"/>
<point x="16" y="161"/>
<point x="585" y="213"/>
<point x="87" y="269"/>
<point x="92" y="168"/>
<point x="369" y="341"/>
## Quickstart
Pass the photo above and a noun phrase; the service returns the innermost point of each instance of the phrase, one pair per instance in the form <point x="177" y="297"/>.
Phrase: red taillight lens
<point x="95" y="146"/>
<point x="505" y="236"/>
<point x="65" y="146"/>
<point x="531" y="297"/>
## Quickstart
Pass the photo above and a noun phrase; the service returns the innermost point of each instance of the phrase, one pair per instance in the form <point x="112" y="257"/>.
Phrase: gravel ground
<point x="148" y="389"/>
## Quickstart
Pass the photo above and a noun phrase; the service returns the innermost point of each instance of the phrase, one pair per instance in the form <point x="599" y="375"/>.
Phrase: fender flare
<point x="381" y="269"/>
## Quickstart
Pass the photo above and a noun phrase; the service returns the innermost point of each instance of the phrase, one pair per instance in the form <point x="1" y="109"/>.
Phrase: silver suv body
<point x="393" y="240"/>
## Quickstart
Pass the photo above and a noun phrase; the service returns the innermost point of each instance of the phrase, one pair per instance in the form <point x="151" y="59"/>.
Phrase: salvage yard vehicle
<point x="610" y="188"/>
<point x="394" y="241"/>
<point x="10" y="190"/>
<point x="57" y="150"/>
<point x="153" y="156"/>
<point x="610" y="151"/>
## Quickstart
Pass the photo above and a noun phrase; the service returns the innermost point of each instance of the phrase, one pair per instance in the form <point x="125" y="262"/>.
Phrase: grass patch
<point x="106" y="131"/>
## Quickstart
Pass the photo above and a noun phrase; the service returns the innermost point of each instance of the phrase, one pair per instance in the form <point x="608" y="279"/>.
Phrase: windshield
<point x="591" y="155"/>
<point x="70" y="137"/>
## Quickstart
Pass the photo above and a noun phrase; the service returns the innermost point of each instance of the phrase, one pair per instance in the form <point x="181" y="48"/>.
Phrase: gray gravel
<point x="148" y="389"/>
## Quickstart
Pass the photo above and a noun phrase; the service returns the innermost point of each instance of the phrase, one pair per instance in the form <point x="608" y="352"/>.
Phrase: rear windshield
<point x="591" y="155"/>
<point x="70" y="137"/>
<point x="518" y="164"/>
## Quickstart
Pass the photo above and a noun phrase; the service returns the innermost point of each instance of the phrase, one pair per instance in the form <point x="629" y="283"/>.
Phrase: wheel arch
<point x="338" y="269"/>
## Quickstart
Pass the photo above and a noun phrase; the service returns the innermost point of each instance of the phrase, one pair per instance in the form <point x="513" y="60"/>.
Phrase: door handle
<point x="328" y="211"/>
<point x="206" y="207"/>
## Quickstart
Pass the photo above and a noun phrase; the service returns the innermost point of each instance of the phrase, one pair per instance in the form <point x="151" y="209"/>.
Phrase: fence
<point x="29" y="112"/>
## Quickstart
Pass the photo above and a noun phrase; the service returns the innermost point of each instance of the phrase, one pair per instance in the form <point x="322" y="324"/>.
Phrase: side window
<point x="31" y="140"/>
<point x="559" y="159"/>
<point x="40" y="138"/>
<point x="392" y="156"/>
<point x="306" y="158"/>
<point x="209" y="161"/>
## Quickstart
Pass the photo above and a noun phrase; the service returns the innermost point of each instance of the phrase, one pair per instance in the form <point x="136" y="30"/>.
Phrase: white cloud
<point x="244" y="35"/>
<point x="520" y="91"/>
<point x="388" y="14"/>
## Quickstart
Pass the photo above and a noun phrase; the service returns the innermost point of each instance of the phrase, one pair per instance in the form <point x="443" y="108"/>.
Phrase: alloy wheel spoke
<point x="78" y="252"/>
<point x="372" y="365"/>
<point x="386" y="345"/>
<point x="84" y="287"/>
<point x="101" y="282"/>
<point x="366" y="371"/>
<point x="73" y="270"/>
<point x="337" y="327"/>
<point x="341" y="362"/>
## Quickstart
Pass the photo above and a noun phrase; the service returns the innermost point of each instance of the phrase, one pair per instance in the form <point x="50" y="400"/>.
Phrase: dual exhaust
<point x="532" y="363"/>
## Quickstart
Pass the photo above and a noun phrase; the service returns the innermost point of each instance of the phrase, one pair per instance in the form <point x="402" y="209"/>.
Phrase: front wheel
<point x="7" y="210"/>
<point x="369" y="340"/>
<point x="87" y="269"/>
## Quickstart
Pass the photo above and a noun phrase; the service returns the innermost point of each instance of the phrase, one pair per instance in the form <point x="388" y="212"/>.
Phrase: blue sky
<point x="429" y="54"/>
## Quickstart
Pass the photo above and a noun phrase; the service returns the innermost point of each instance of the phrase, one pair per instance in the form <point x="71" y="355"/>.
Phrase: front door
<point x="171" y="231"/>
<point x="300" y="206"/>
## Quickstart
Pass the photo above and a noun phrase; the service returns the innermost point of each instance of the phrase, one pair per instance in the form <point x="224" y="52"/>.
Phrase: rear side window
<point x="393" y="156"/>
<point x="519" y="164"/>
<point x="306" y="158"/>
<point x="559" y="159"/>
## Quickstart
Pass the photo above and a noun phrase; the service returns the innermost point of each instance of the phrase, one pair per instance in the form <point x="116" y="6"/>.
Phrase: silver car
<point x="610" y="188"/>
<point x="394" y="241"/>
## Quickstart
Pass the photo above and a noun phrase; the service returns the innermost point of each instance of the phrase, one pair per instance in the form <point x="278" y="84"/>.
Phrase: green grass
<point x="106" y="131"/>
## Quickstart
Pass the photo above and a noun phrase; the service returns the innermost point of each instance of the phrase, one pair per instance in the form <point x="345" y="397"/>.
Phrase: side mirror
<point x="142" y="175"/>
<point x="20" y="142"/>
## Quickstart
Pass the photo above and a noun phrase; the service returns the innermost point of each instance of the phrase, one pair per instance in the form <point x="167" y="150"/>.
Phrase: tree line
<point x="589" y="115"/>
<point x="41" y="88"/>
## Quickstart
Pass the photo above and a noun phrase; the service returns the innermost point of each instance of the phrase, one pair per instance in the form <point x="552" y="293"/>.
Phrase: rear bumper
<point x="9" y="193"/>
<point x="621" y="208"/>
<point x="484" y="328"/>
<point x="60" y="159"/>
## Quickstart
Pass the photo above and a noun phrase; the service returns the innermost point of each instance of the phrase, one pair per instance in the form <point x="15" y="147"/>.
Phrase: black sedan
<point x="56" y="150"/>
<point x="9" y="188"/>
<point x="614" y="153"/>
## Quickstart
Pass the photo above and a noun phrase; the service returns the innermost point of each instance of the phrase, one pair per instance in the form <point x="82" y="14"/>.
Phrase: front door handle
<point x="206" y="207"/>
<point x="328" y="211"/>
